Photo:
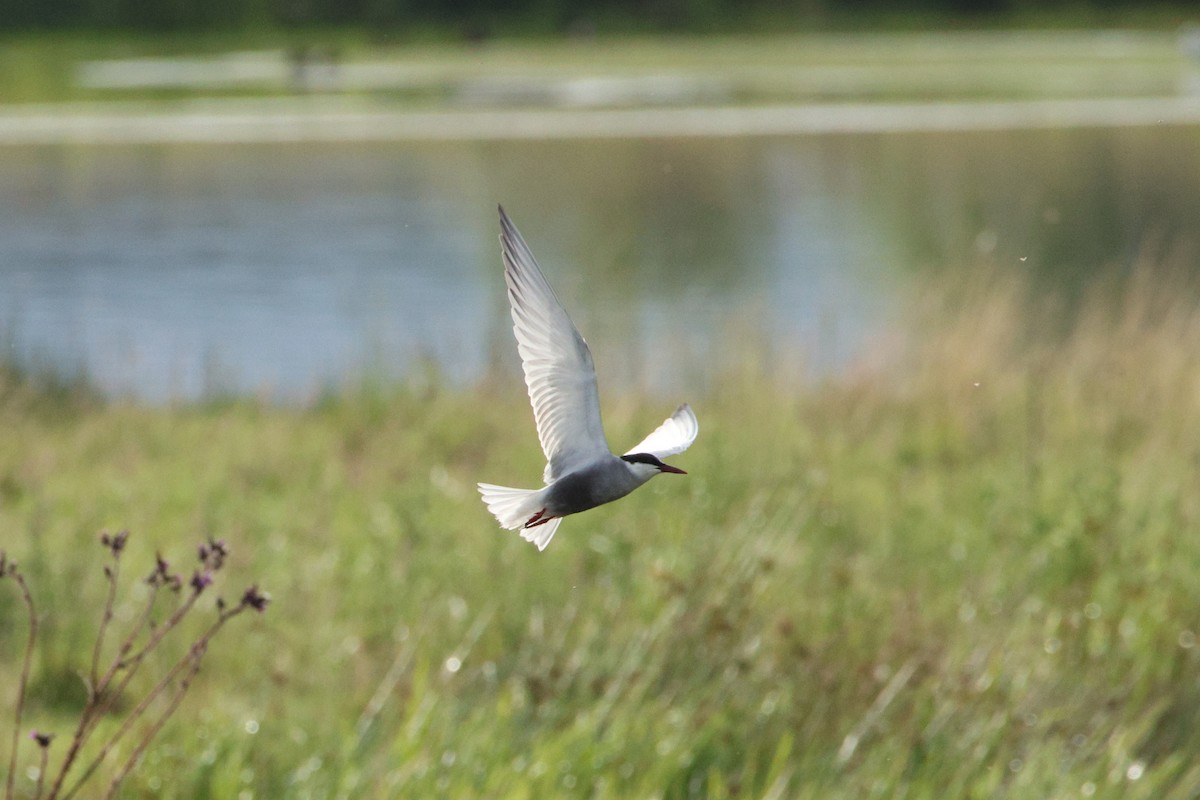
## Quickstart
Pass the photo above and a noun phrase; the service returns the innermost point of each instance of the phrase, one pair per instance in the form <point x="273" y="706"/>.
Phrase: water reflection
<point x="1070" y="202"/>
<point x="175" y="270"/>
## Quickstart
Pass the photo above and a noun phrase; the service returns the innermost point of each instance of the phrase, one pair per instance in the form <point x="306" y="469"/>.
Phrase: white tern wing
<point x="673" y="436"/>
<point x="558" y="365"/>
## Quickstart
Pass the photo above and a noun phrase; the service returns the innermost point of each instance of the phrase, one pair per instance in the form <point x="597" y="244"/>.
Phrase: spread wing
<point x="557" y="362"/>
<point x="675" y="435"/>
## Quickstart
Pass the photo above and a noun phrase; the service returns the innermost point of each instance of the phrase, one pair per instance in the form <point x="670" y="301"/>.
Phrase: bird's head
<point x="646" y="465"/>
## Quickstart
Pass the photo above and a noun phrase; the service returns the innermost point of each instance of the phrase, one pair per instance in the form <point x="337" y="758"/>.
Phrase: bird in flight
<point x="581" y="472"/>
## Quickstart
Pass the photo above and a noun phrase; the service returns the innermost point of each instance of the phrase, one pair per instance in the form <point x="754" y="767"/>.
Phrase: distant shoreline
<point x="326" y="120"/>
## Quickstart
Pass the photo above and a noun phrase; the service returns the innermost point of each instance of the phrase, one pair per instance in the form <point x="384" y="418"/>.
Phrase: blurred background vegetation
<point x="481" y="18"/>
<point x="967" y="570"/>
<point x="941" y="528"/>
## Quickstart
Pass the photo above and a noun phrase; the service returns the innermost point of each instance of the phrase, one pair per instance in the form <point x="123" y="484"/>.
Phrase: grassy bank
<point x="775" y="65"/>
<point x="966" y="571"/>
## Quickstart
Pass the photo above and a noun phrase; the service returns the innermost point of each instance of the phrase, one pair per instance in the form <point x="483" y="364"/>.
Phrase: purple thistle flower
<point x="161" y="576"/>
<point x="43" y="739"/>
<point x="212" y="554"/>
<point x="256" y="599"/>
<point x="200" y="581"/>
<point x="114" y="542"/>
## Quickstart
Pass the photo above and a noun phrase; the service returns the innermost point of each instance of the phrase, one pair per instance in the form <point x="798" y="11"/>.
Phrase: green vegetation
<point x="475" y="19"/>
<point x="968" y="571"/>
<point x="766" y="68"/>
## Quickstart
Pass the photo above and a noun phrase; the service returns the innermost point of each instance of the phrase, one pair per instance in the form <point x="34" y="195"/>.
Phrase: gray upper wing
<point x="557" y="363"/>
<point x="675" y="435"/>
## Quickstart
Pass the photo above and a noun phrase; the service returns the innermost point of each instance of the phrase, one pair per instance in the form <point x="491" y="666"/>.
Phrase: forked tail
<point x="514" y="508"/>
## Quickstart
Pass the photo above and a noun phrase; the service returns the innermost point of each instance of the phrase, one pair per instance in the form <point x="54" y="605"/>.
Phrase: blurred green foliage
<point x="967" y="570"/>
<point x="476" y="19"/>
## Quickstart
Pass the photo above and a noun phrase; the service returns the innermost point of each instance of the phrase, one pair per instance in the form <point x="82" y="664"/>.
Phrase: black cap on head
<point x="653" y="460"/>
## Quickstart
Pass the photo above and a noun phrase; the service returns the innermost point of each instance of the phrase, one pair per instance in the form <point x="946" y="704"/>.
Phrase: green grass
<point x="969" y="571"/>
<point x="773" y="67"/>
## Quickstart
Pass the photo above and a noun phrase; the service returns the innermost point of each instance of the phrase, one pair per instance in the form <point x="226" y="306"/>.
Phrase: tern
<point x="581" y="472"/>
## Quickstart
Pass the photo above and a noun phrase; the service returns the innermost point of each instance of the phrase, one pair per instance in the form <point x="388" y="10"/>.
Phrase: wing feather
<point x="558" y="366"/>
<point x="674" y="436"/>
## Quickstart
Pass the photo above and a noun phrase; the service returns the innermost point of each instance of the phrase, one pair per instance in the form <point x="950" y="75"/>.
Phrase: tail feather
<point x="512" y="508"/>
<point x="542" y="534"/>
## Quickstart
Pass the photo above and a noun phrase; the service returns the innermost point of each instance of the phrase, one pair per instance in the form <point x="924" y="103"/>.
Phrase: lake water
<point x="178" y="270"/>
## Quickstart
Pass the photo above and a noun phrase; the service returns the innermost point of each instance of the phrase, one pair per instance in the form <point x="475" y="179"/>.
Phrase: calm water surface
<point x="173" y="271"/>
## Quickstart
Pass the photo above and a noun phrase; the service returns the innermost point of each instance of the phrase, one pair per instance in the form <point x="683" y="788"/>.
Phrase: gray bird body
<point x="601" y="482"/>
<point x="581" y="472"/>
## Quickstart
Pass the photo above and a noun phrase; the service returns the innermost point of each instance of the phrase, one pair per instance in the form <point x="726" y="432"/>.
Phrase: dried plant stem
<point x="41" y="779"/>
<point x="121" y="660"/>
<point x="131" y="664"/>
<point x="194" y="657"/>
<point x="103" y="695"/>
<point x="25" y="667"/>
<point x="104" y="690"/>
<point x="99" y="700"/>
<point x="192" y="660"/>
<point x="111" y="573"/>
